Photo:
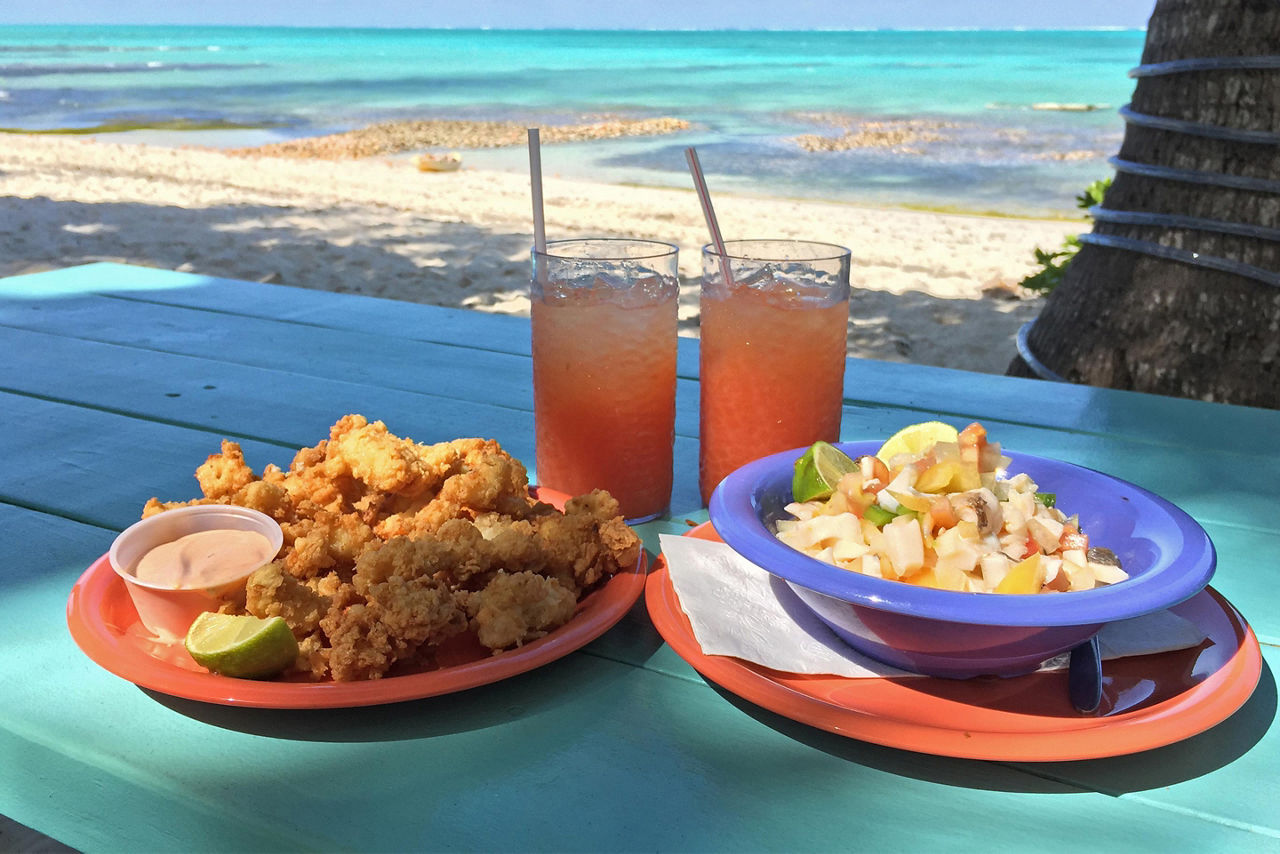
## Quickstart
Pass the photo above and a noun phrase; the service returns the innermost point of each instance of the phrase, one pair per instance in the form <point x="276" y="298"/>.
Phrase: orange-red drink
<point x="604" y="370"/>
<point x="773" y="351"/>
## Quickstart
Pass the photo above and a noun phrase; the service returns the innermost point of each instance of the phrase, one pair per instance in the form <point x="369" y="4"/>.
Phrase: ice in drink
<point x="772" y="370"/>
<point x="604" y="381"/>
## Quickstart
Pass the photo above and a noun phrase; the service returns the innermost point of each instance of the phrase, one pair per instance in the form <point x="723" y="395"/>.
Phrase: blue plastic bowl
<point x="1168" y="556"/>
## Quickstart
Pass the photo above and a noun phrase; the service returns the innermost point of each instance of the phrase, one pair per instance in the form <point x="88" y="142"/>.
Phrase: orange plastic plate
<point x="1148" y="701"/>
<point x="105" y="625"/>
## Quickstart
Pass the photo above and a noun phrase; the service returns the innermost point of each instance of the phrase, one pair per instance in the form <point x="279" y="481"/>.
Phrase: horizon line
<point x="478" y="28"/>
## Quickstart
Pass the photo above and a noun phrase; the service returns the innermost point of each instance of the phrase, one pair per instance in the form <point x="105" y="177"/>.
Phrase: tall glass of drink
<point x="604" y="369"/>
<point x="774" y="325"/>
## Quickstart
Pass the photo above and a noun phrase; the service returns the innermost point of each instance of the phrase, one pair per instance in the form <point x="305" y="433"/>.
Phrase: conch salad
<point x="949" y="517"/>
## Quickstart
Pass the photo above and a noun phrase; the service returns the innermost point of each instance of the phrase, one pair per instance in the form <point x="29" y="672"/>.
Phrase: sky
<point x="593" y="14"/>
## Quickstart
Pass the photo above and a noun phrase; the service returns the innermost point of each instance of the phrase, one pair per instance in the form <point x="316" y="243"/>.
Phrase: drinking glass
<point x="604" y="369"/>
<point x="774" y="327"/>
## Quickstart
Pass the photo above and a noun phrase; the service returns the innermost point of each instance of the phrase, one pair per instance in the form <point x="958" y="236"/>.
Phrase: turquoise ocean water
<point x="748" y="94"/>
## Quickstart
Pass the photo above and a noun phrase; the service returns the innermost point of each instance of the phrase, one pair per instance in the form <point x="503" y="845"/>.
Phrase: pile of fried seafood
<point x="393" y="548"/>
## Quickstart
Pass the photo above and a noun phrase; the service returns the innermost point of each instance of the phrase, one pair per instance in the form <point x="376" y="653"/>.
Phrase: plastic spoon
<point x="1084" y="676"/>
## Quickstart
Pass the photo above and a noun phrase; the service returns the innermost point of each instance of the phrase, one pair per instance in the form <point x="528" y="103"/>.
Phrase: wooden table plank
<point x="354" y="312"/>
<point x="1185" y="424"/>
<point x="180" y="388"/>
<point x="358" y="357"/>
<point x="441" y="371"/>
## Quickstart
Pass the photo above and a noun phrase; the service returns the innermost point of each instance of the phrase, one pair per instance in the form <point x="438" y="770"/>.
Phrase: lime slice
<point x="915" y="439"/>
<point x="819" y="470"/>
<point x="244" y="647"/>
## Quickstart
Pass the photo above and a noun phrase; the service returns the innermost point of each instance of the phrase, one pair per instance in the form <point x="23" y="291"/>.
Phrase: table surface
<point x="118" y="381"/>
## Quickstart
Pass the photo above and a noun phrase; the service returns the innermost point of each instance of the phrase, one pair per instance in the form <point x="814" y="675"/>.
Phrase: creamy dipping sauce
<point x="204" y="559"/>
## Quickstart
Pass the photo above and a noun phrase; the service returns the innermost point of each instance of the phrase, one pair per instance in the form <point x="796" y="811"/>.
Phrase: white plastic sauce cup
<point x="167" y="612"/>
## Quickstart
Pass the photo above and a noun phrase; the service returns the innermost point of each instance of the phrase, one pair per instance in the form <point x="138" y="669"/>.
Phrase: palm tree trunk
<point x="1177" y="289"/>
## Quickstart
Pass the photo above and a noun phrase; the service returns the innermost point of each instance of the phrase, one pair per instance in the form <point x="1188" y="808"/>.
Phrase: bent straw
<point x="535" y="182"/>
<point x="708" y="212"/>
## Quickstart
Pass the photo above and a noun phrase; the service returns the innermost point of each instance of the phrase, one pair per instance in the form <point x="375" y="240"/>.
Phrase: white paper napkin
<point x="738" y="609"/>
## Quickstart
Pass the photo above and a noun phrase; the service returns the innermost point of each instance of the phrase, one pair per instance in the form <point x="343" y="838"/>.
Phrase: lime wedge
<point x="915" y="439"/>
<point x="819" y="470"/>
<point x="243" y="647"/>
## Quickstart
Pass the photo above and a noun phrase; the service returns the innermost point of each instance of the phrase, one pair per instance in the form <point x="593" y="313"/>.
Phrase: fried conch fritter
<point x="392" y="548"/>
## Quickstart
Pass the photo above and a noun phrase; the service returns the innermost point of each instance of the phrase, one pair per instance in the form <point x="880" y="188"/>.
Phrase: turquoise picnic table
<point x="116" y="381"/>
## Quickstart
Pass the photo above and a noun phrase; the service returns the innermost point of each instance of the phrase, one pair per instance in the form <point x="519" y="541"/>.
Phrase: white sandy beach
<point x="929" y="288"/>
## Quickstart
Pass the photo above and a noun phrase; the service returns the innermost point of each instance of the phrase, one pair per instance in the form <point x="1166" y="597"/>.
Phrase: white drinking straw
<point x="535" y="181"/>
<point x="708" y="212"/>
